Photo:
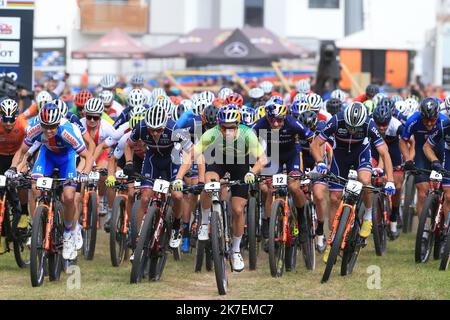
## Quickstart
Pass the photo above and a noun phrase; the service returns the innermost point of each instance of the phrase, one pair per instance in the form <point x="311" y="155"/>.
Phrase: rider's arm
<point x="405" y="149"/>
<point x="89" y="160"/>
<point x="18" y="157"/>
<point x="383" y="151"/>
<point x="129" y="147"/>
<point x="112" y="166"/>
<point x="317" y="149"/>
<point x="90" y="144"/>
<point x="186" y="163"/>
<point x="99" y="149"/>
<point x="431" y="142"/>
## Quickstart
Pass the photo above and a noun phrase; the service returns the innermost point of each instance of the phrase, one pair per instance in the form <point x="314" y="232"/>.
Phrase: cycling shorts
<point x="237" y="172"/>
<point x="48" y="160"/>
<point x="289" y="159"/>
<point x="342" y="161"/>
<point x="394" y="152"/>
<point x="5" y="162"/>
<point x="156" y="166"/>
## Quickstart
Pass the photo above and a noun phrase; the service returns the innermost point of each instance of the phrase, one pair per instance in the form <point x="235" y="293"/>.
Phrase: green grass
<point x="401" y="278"/>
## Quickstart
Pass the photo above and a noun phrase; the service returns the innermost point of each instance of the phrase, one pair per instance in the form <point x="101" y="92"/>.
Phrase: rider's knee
<point x="177" y="196"/>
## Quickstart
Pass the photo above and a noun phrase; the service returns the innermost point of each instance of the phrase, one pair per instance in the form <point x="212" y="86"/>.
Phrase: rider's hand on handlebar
<point x="321" y="167"/>
<point x="177" y="185"/>
<point x="389" y="188"/>
<point x="410" y="165"/>
<point x="249" y="178"/>
<point x="128" y="170"/>
<point x="110" y="181"/>
<point x="11" y="172"/>
<point x="436" y="166"/>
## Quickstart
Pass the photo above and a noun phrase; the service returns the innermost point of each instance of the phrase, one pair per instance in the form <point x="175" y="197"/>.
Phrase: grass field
<point x="401" y="278"/>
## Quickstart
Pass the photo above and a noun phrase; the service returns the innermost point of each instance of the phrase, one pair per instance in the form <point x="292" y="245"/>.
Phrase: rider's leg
<point x="205" y="199"/>
<point x="335" y="199"/>
<point x="237" y="209"/>
<point x="398" y="181"/>
<point x="422" y="191"/>
<point x="322" y="202"/>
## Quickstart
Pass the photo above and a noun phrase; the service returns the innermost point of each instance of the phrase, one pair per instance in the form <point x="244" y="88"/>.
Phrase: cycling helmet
<point x="82" y="97"/>
<point x="50" y="114"/>
<point x="378" y="97"/>
<point x="199" y="106"/>
<point x="402" y="107"/>
<point x="62" y="106"/>
<point x="94" y="106"/>
<point x="372" y="90"/>
<point x="225" y="92"/>
<point x="447" y="102"/>
<point x="42" y="98"/>
<point x="136" y="98"/>
<point x="429" y="108"/>
<point x="108" y="81"/>
<point x="208" y="96"/>
<point x="396" y="98"/>
<point x="136" y="115"/>
<point x="156" y="117"/>
<point x="157" y="92"/>
<point x="260" y="112"/>
<point x="178" y="111"/>
<point x="209" y="116"/>
<point x="355" y="115"/>
<point x="369" y="105"/>
<point x="166" y="104"/>
<point x="300" y="97"/>
<point x="229" y="114"/>
<point x="234" y="99"/>
<point x="247" y="116"/>
<point x="275" y="110"/>
<point x="139" y="110"/>
<point x="309" y="119"/>
<point x="9" y="108"/>
<point x="315" y="101"/>
<point x="137" y="79"/>
<point x="412" y="105"/>
<point x="339" y="94"/>
<point x="134" y="120"/>
<point x="303" y="86"/>
<point x="266" y="86"/>
<point x="385" y="102"/>
<point x="256" y="93"/>
<point x="382" y="114"/>
<point x="107" y="97"/>
<point x="298" y="107"/>
<point x="275" y="99"/>
<point x="333" y="106"/>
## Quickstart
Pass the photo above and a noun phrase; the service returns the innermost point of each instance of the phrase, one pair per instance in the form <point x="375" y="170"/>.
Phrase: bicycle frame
<point x="88" y="189"/>
<point x="121" y="191"/>
<point x="162" y="202"/>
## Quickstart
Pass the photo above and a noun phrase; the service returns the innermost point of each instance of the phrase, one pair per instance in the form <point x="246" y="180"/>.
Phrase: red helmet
<point x="235" y="99"/>
<point x="82" y="97"/>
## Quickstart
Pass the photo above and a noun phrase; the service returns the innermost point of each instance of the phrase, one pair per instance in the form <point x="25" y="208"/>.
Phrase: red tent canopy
<point x="116" y="44"/>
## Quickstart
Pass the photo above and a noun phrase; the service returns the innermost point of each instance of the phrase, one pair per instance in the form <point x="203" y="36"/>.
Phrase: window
<point x="324" y="4"/>
<point x="254" y="13"/>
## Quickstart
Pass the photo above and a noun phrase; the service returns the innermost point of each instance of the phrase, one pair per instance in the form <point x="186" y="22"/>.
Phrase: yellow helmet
<point x="260" y="112"/>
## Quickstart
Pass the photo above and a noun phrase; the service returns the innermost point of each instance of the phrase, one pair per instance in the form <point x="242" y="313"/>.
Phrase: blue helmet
<point x="247" y="116"/>
<point x="229" y="114"/>
<point x="382" y="114"/>
<point x="429" y="108"/>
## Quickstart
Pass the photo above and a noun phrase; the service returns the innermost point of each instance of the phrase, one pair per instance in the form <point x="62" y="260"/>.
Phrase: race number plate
<point x="305" y="182"/>
<point x="137" y="184"/>
<point x="161" y="186"/>
<point x="121" y="175"/>
<point x="212" y="186"/>
<point x="279" y="180"/>
<point x="94" y="176"/>
<point x="2" y="181"/>
<point x="352" y="175"/>
<point x="435" y="176"/>
<point x="354" y="187"/>
<point x="44" y="183"/>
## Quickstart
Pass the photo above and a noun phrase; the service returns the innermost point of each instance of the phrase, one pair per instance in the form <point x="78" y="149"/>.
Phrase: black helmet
<point x="334" y="106"/>
<point x="429" y="108"/>
<point x="372" y="90"/>
<point x="382" y="114"/>
<point x="309" y="119"/>
<point x="386" y="102"/>
<point x="209" y="115"/>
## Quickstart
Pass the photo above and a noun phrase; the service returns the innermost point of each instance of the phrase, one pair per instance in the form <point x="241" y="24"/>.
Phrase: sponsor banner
<point x="10" y="71"/>
<point x="9" y="28"/>
<point x="9" y="51"/>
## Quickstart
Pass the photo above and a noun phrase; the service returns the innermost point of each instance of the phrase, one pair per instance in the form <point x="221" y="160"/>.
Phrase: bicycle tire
<point x="276" y="255"/>
<point x="55" y="259"/>
<point x="37" y="253"/>
<point x="141" y="254"/>
<point x="200" y="248"/>
<point x="309" y="247"/>
<point x="208" y="256"/>
<point x="379" y="230"/>
<point x="251" y="230"/>
<point x="351" y="251"/>
<point x="117" y="240"/>
<point x="158" y="259"/>
<point x="134" y="228"/>
<point x="445" y="258"/>
<point x="90" y="234"/>
<point x="407" y="210"/>
<point x="428" y="211"/>
<point x="336" y="245"/>
<point x="218" y="252"/>
<point x="21" y="250"/>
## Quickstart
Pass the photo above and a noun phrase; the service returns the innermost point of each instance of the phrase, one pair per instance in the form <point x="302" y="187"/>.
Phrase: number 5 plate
<point x="44" y="183"/>
<point x="161" y="186"/>
<point x="354" y="186"/>
<point x="279" y="180"/>
<point x="2" y="181"/>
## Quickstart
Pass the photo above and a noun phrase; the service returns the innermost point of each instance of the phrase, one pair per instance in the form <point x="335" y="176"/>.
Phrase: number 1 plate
<point x="435" y="176"/>
<point x="2" y="181"/>
<point x="279" y="180"/>
<point x="44" y="183"/>
<point x="161" y="186"/>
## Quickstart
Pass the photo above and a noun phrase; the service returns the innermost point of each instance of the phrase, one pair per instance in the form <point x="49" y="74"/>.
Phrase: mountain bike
<point x="407" y="201"/>
<point x="381" y="211"/>
<point x="252" y="231"/>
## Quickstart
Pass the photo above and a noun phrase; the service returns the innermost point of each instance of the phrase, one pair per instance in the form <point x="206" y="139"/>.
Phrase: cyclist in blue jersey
<point x="136" y="98"/>
<point x="278" y="132"/>
<point x="353" y="133"/>
<point x="162" y="159"/>
<point x="60" y="145"/>
<point x="421" y="125"/>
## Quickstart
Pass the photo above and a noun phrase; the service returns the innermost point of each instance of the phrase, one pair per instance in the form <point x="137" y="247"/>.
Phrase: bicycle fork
<point x="48" y="226"/>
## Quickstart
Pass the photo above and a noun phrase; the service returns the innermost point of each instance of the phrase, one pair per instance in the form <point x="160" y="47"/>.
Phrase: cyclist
<point x="136" y="98"/>
<point x="256" y="95"/>
<point x="157" y="132"/>
<point x="247" y="116"/>
<point x="267" y="87"/>
<point x="353" y="132"/>
<point x="371" y="91"/>
<point x="42" y="98"/>
<point x="302" y="87"/>
<point x="421" y="125"/>
<point x="60" y="144"/>
<point x="234" y="99"/>
<point x="137" y="82"/>
<point x="391" y="130"/>
<point x="278" y="131"/>
<point x="80" y="100"/>
<point x="230" y="141"/>
<point x="112" y="108"/>
<point x="333" y="106"/>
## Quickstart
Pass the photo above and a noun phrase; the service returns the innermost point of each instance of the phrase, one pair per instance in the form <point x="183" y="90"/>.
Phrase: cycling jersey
<point x="442" y="133"/>
<point x="74" y="110"/>
<point x="103" y="131"/>
<point x="123" y="117"/>
<point x="443" y="109"/>
<point x="11" y="141"/>
<point x="392" y="138"/>
<point x="114" y="110"/>
<point x="186" y="119"/>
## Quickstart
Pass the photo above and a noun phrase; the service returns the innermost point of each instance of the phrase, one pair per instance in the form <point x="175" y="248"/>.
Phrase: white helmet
<point x="42" y="98"/>
<point x="50" y="114"/>
<point x="94" y="106"/>
<point x="62" y="106"/>
<point x="178" y="111"/>
<point x="412" y="105"/>
<point x="187" y="103"/>
<point x="225" y="92"/>
<point x="157" y="92"/>
<point x="108" y="81"/>
<point x="107" y="97"/>
<point x="136" y="98"/>
<point x="199" y="106"/>
<point x="8" y="107"/>
<point x="355" y="115"/>
<point x="156" y="117"/>
<point x="256" y="93"/>
<point x="447" y="102"/>
<point x="137" y="79"/>
<point x="136" y="111"/>
<point x="166" y="104"/>
<point x="300" y="97"/>
<point x="207" y="95"/>
<point x="377" y="98"/>
<point x="267" y="86"/>
<point x="402" y="107"/>
<point x="303" y="86"/>
<point x="339" y="94"/>
<point x="315" y="101"/>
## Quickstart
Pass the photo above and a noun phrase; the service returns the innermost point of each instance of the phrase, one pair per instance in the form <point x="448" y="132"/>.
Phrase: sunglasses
<point x="8" y="119"/>
<point x="223" y="127"/>
<point x="382" y="124"/>
<point x="159" y="130"/>
<point x="95" y="118"/>
<point x="53" y="127"/>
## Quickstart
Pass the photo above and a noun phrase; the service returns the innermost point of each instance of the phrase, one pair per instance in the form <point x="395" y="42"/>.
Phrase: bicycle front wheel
<point x="379" y="227"/>
<point x="37" y="253"/>
<point x="277" y="247"/>
<point x="309" y="246"/>
<point x="118" y="240"/>
<point x="251" y="230"/>
<point x="425" y="235"/>
<point x="158" y="257"/>
<point x="218" y="251"/>
<point x="90" y="233"/>
<point x="410" y="191"/>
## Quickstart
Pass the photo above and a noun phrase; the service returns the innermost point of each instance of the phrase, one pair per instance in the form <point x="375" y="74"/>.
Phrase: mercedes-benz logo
<point x="236" y="50"/>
